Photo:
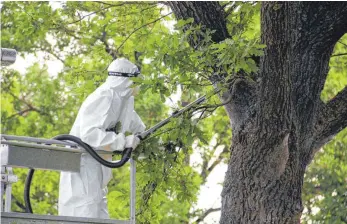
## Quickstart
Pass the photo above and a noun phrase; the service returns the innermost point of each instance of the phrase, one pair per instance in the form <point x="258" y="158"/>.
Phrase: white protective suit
<point x="83" y="194"/>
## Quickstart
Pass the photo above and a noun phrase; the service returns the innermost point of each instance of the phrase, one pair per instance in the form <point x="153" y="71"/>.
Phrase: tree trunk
<point x="279" y="121"/>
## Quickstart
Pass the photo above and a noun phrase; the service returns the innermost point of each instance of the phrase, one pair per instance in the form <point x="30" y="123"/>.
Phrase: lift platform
<point x="25" y="218"/>
<point x="47" y="154"/>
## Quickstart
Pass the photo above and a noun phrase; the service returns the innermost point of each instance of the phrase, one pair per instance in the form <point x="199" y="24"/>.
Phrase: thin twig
<point x="56" y="56"/>
<point x="30" y="107"/>
<point x="342" y="43"/>
<point x="195" y="84"/>
<point x="18" y="203"/>
<point x="109" y="6"/>
<point x="162" y="132"/>
<point x="154" y="21"/>
<point x="229" y="11"/>
<point x="206" y="213"/>
<point x="20" y="113"/>
<point x="218" y="160"/>
<point x="215" y="105"/>
<point x="335" y="55"/>
<point x="229" y="3"/>
<point x="124" y="3"/>
<point x="71" y="33"/>
<point x="51" y="51"/>
<point x="108" y="49"/>
<point x="22" y="100"/>
<point x="92" y="13"/>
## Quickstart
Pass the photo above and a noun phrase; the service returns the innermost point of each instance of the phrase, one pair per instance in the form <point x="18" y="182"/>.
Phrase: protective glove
<point x="131" y="141"/>
<point x="119" y="143"/>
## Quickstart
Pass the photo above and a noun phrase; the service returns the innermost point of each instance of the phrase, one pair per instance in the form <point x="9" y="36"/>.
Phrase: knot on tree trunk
<point x="241" y="109"/>
<point x="274" y="160"/>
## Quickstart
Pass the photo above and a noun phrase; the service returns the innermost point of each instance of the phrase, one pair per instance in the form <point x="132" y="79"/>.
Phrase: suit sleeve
<point x="96" y="117"/>
<point x="136" y="124"/>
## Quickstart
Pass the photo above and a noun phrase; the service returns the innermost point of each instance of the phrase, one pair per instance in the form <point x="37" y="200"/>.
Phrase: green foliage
<point x="35" y="100"/>
<point x="337" y="78"/>
<point x="36" y="104"/>
<point x="85" y="36"/>
<point x="325" y="192"/>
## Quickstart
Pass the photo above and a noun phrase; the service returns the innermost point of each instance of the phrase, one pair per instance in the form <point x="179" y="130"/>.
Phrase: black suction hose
<point x="28" y="208"/>
<point x="125" y="157"/>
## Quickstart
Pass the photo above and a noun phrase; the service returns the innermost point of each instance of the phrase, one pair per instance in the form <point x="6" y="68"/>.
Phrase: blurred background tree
<point x="82" y="38"/>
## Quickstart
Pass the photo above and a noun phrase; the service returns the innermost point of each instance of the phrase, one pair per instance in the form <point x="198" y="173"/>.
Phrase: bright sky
<point x="209" y="196"/>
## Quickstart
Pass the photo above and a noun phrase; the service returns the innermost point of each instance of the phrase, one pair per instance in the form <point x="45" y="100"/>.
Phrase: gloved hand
<point x="131" y="141"/>
<point x="119" y="143"/>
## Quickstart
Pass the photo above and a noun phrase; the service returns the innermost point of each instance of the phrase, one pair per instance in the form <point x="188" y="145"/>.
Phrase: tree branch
<point x="18" y="203"/>
<point x="125" y="3"/>
<point x="280" y="80"/>
<point x="218" y="160"/>
<point x="30" y="107"/>
<point x="340" y="23"/>
<point x="208" y="14"/>
<point x="230" y="10"/>
<point x="331" y="120"/>
<point x="109" y="6"/>
<point x="56" y="56"/>
<point x="134" y="31"/>
<point x="206" y="213"/>
<point x="48" y="48"/>
<point x="92" y="13"/>
<point x="227" y="101"/>
<point x="62" y="28"/>
<point x="19" y="99"/>
<point x="20" y="113"/>
<point x="332" y="17"/>
<point x="107" y="46"/>
<point x="206" y="170"/>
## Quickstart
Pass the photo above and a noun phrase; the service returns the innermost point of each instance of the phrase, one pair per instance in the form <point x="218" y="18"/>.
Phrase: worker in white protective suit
<point x="83" y="194"/>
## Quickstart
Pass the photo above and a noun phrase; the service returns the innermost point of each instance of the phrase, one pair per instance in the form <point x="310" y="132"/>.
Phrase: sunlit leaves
<point x="38" y="110"/>
<point x="325" y="192"/>
<point x="85" y="37"/>
<point x="337" y="78"/>
<point x="236" y="54"/>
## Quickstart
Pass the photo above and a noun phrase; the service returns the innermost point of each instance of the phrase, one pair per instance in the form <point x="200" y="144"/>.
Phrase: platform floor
<point x="26" y="218"/>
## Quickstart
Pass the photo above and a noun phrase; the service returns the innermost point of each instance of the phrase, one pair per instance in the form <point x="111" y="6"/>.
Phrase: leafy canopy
<point x="85" y="37"/>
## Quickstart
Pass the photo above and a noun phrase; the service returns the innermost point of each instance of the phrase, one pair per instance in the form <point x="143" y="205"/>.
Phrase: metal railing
<point x="46" y="154"/>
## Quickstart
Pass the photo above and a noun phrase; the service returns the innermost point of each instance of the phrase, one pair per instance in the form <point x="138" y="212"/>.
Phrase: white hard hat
<point x="123" y="67"/>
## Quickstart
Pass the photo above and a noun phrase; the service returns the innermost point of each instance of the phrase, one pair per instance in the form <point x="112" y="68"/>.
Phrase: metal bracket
<point x="6" y="185"/>
<point x="9" y="178"/>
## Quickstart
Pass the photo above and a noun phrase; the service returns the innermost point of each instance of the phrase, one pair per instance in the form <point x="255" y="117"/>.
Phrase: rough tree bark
<point x="279" y="122"/>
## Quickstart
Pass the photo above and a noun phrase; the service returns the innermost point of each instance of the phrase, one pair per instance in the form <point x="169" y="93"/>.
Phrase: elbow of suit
<point x="90" y="137"/>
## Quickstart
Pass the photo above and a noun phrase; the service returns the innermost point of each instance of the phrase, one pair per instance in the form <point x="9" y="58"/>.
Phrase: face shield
<point x="136" y="79"/>
<point x="124" y="68"/>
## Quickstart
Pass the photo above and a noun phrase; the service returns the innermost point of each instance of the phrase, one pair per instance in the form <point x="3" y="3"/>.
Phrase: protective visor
<point x="123" y="74"/>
